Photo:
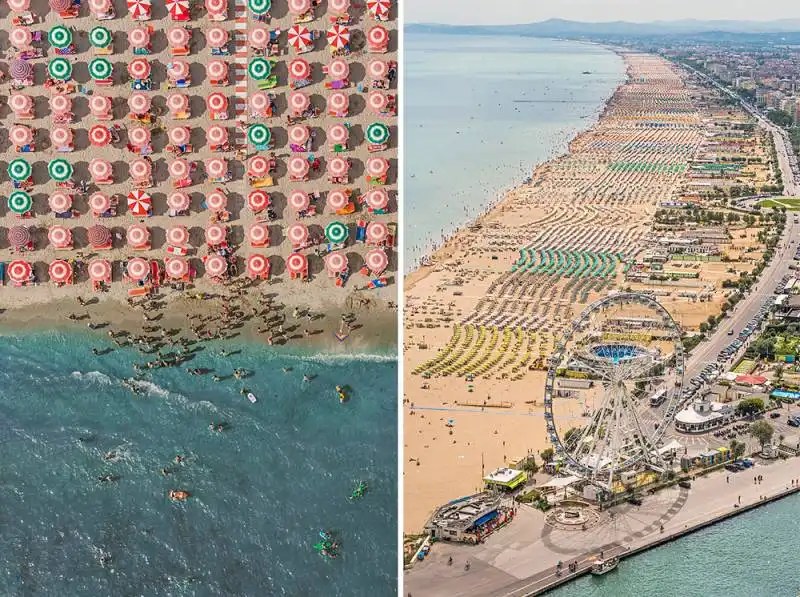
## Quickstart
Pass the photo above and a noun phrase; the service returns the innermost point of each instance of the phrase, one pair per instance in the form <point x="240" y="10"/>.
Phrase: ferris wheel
<point x="626" y="354"/>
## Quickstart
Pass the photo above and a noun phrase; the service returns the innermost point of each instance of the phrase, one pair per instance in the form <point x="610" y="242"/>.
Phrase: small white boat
<point x="600" y="567"/>
<point x="251" y="397"/>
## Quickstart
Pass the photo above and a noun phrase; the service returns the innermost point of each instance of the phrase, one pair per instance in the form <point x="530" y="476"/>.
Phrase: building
<point x="703" y="415"/>
<point x="469" y="519"/>
<point x="505" y="479"/>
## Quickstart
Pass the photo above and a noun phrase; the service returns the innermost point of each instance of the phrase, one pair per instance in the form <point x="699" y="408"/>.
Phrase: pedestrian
<point x="740" y="499"/>
<point x="728" y="479"/>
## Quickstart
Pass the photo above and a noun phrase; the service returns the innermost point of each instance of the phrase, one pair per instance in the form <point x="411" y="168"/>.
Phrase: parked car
<point x="684" y="484"/>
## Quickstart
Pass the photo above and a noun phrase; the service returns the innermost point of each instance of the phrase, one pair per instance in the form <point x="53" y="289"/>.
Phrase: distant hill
<point x="563" y="28"/>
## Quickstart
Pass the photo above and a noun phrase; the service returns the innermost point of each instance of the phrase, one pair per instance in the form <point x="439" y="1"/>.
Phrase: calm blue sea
<point x="261" y="490"/>
<point x="480" y="112"/>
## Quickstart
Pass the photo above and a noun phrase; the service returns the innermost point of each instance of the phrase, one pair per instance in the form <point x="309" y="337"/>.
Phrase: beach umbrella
<point x="216" y="266"/>
<point x="100" y="169"/>
<point x="179" y="135"/>
<point x="217" y="102"/>
<point x="177" y="102"/>
<point x="297" y="234"/>
<point x="217" y="135"/>
<point x="377" y="101"/>
<point x="257" y="265"/>
<point x="140" y="203"/>
<point x="99" y="135"/>
<point x="258" y="234"/>
<point x="61" y="136"/>
<point x="338" y="69"/>
<point x="20" y="103"/>
<point x="297" y="263"/>
<point x="258" y="166"/>
<point x="377" y="133"/>
<point x="20" y="37"/>
<point x="216" y="167"/>
<point x="300" y="38"/>
<point x="377" y="232"/>
<point x="377" y="199"/>
<point x="19" y="271"/>
<point x="299" y="200"/>
<point x="337" y="200"/>
<point x="60" y="202"/>
<point x="19" y="5"/>
<point x="139" y="68"/>
<point x="99" y="202"/>
<point x="379" y="8"/>
<point x="19" y="170"/>
<point x="178" y="37"/>
<point x="217" y="70"/>
<point x="100" y="105"/>
<point x="139" y="37"/>
<point x="59" y="236"/>
<point x="19" y="202"/>
<point x="139" y="9"/>
<point x="299" y="69"/>
<point x="59" y="170"/>
<point x="378" y="69"/>
<point x="217" y="7"/>
<point x="21" y="69"/>
<point x="259" y="69"/>
<point x="338" y="36"/>
<point x="259" y="7"/>
<point x="338" y="102"/>
<point x="59" y="37"/>
<point x="178" y="69"/>
<point x="336" y="262"/>
<point x="377" y="37"/>
<point x="178" y="201"/>
<point x="60" y="104"/>
<point x="338" y="7"/>
<point x="177" y="235"/>
<point x="100" y="69"/>
<point x="99" y="7"/>
<point x="139" y="136"/>
<point x="19" y="236"/>
<point x="100" y="270"/>
<point x="338" y="134"/>
<point x="377" y="261"/>
<point x="258" y="200"/>
<point x="258" y="135"/>
<point x="216" y="200"/>
<point x="178" y="169"/>
<point x="20" y="135"/>
<point x="178" y="9"/>
<point x="98" y="236"/>
<point x="60" y="5"/>
<point x="100" y="37"/>
<point x="258" y="37"/>
<point x="338" y="166"/>
<point x="299" y="101"/>
<point x="298" y="166"/>
<point x="176" y="268"/>
<point x="260" y="101"/>
<point x="299" y="7"/>
<point x="299" y="134"/>
<point x="137" y="235"/>
<point x="139" y="103"/>
<point x="216" y="234"/>
<point x="60" y="68"/>
<point x="217" y="37"/>
<point x="137" y="269"/>
<point x="377" y="167"/>
<point x="336" y="232"/>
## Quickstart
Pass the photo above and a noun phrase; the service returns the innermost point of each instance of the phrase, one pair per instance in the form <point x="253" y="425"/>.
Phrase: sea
<point x="261" y="491"/>
<point x="480" y="113"/>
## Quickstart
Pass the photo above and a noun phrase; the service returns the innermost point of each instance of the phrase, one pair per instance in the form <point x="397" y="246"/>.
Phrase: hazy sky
<point x="472" y="12"/>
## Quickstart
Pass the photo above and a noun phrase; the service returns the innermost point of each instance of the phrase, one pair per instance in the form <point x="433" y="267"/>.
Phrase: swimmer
<point x="110" y="455"/>
<point x="216" y="378"/>
<point x="165" y="471"/>
<point x="286" y="369"/>
<point x="179" y="459"/>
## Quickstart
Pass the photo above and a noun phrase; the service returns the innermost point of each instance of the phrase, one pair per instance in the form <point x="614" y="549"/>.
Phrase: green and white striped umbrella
<point x="100" y="68"/>
<point x="259" y="68"/>
<point x="336" y="232"/>
<point x="258" y="134"/>
<point x="20" y="202"/>
<point x="59" y="37"/>
<point x="259" y="7"/>
<point x="100" y="37"/>
<point x="19" y="170"/>
<point x="60" y="68"/>
<point x="377" y="133"/>
<point x="59" y="170"/>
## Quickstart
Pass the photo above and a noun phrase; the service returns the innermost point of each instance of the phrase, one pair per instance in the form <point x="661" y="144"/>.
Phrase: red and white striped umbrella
<point x="139" y="37"/>
<point x="178" y="201"/>
<point x="19" y="5"/>
<point x="217" y="135"/>
<point x="139" y="9"/>
<point x="60" y="202"/>
<point x="258" y="200"/>
<point x="258" y="37"/>
<point x="258" y="165"/>
<point x="178" y="37"/>
<point x="60" y="271"/>
<point x="19" y="271"/>
<point x="298" y="166"/>
<point x="20" y="103"/>
<point x="20" y="37"/>
<point x="137" y="236"/>
<point x="177" y="102"/>
<point x="377" y="261"/>
<point x="336" y="262"/>
<point x="259" y="101"/>
<point x="217" y="7"/>
<point x="99" y="7"/>
<point x="338" y="7"/>
<point x="379" y="8"/>
<point x="139" y="136"/>
<point x="139" y="102"/>
<point x="216" y="167"/>
<point x="258" y="234"/>
<point x="216" y="266"/>
<point x="179" y="135"/>
<point x="338" y="134"/>
<point x="139" y="68"/>
<point x="176" y="267"/>
<point x="60" y="104"/>
<point x="217" y="37"/>
<point x="297" y="234"/>
<point x="378" y="69"/>
<point x="59" y="236"/>
<point x="377" y="199"/>
<point x="139" y="203"/>
<point x="300" y="38"/>
<point x="140" y="169"/>
<point x="216" y="200"/>
<point x="377" y="101"/>
<point x="217" y="70"/>
<point x="299" y="7"/>
<point x="178" y="9"/>
<point x="257" y="265"/>
<point x="338" y="36"/>
<point x="299" y="101"/>
<point x="338" y="166"/>
<point x="100" y="270"/>
<point x="100" y="105"/>
<point x="99" y="202"/>
<point x="61" y="136"/>
<point x="99" y="236"/>
<point x="297" y="263"/>
<point x="216" y="234"/>
<point x="177" y="236"/>
<point x="377" y="232"/>
<point x="178" y="169"/>
<point x="20" y="135"/>
<point x="99" y="135"/>
<point x="338" y="102"/>
<point x="217" y="102"/>
<point x="377" y="37"/>
<point x="299" y="200"/>
<point x="100" y="169"/>
<point x="338" y="69"/>
<point x="299" y="134"/>
<point x="299" y="69"/>
<point x="336" y="200"/>
<point x="177" y="69"/>
<point x="377" y="167"/>
<point x="137" y="269"/>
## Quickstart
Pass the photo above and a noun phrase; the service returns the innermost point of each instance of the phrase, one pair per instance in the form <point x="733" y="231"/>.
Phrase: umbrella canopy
<point x="178" y="9"/>
<point x="378" y="69"/>
<point x="258" y="135"/>
<point x="258" y="37"/>
<point x="299" y="101"/>
<point x="216" y="266"/>
<point x="100" y="69"/>
<point x="19" y="236"/>
<point x="179" y="135"/>
<point x="338" y="134"/>
<point x="19" y="271"/>
<point x="139" y="9"/>
<point x="259" y="7"/>
<point x="217" y="37"/>
<point x="377" y="101"/>
<point x="216" y="200"/>
<point x="259" y="69"/>
<point x="139" y="37"/>
<point x="297" y="263"/>
<point x="137" y="235"/>
<point x="100" y="105"/>
<point x="217" y="102"/>
<point x="139" y="68"/>
<point x="377" y="37"/>
<point x="216" y="234"/>
<point x="258" y="200"/>
<point x="20" y="37"/>
<point x="60" y="202"/>
<point x="179" y="201"/>
<point x="178" y="37"/>
<point x="336" y="232"/>
<point x="100" y="37"/>
<point x="257" y="265"/>
<point x="19" y="5"/>
<point x="338" y="69"/>
<point x="176" y="268"/>
<point x="298" y="166"/>
<point x="100" y="270"/>
<point x="300" y="38"/>
<point x="377" y="261"/>
<point x="338" y="102"/>
<point x="177" y="236"/>
<point x="99" y="202"/>
<point x="258" y="234"/>
<point x="178" y="69"/>
<point x="59" y="236"/>
<point x="59" y="37"/>
<point x="139" y="203"/>
<point x="137" y="269"/>
<point x="139" y="103"/>
<point x="99" y="236"/>
<point x="100" y="169"/>
<point x="377" y="167"/>
<point x="177" y="102"/>
<point x="379" y="8"/>
<point x="60" y="5"/>
<point x="299" y="200"/>
<point x="338" y="166"/>
<point x="19" y="202"/>
<point x="59" y="170"/>
<point x="179" y="169"/>
<point x="297" y="234"/>
<point x="377" y="133"/>
<point x="216" y="167"/>
<point x="299" y="134"/>
<point x="337" y="200"/>
<point x="299" y="7"/>
<point x="20" y="103"/>
<point x="299" y="69"/>
<point x="60" y="104"/>
<point x="217" y="7"/>
<point x="377" y="199"/>
<point x="377" y="232"/>
<point x="61" y="136"/>
<point x="140" y="169"/>
<point x="217" y="135"/>
<point x="21" y="69"/>
<point x="19" y="170"/>
<point x="338" y="7"/>
<point x="20" y="135"/>
<point x="99" y="135"/>
<point x="258" y="165"/>
<point x="217" y="70"/>
<point x="100" y="7"/>
<point x="338" y="36"/>
<point x="60" y="68"/>
<point x="336" y="262"/>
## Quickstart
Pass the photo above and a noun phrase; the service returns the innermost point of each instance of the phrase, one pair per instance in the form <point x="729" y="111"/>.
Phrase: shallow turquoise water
<point x="261" y="491"/>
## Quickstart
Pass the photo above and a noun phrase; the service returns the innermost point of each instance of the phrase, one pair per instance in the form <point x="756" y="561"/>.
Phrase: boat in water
<point x="600" y="567"/>
<point x="358" y="491"/>
<point x="252" y="397"/>
<point x="328" y="547"/>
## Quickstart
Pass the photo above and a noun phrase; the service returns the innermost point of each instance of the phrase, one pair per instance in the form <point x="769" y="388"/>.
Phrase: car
<point x="774" y="415"/>
<point x="730" y="332"/>
<point x="792" y="422"/>
<point x="635" y="500"/>
<point x="684" y="484"/>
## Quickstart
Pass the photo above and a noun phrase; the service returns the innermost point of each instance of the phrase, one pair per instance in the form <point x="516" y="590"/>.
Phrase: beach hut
<point x="376" y="200"/>
<point x="137" y="270"/>
<point x="178" y="106"/>
<point x="139" y="39"/>
<point x="180" y="138"/>
<point x="179" y="10"/>
<point x="99" y="273"/>
<point x="378" y="40"/>
<point x="179" y="39"/>
<point x="60" y="237"/>
<point x="258" y="235"/>
<point x="60" y="272"/>
<point x="22" y="138"/>
<point x="297" y="234"/>
<point x="102" y="205"/>
<point x="61" y="138"/>
<point x="258" y="200"/>
<point x="376" y="262"/>
<point x="19" y="238"/>
<point x="176" y="269"/>
<point x="338" y="72"/>
<point x="216" y="267"/>
<point x="377" y="170"/>
<point x="178" y="73"/>
<point x="217" y="236"/>
<point x="20" y="272"/>
<point x="100" y="136"/>
<point x="338" y="201"/>
<point x="178" y="203"/>
<point x="61" y="109"/>
<point x="61" y="204"/>
<point x="138" y="237"/>
<point x="139" y="10"/>
<point x="101" y="107"/>
<point x="258" y="266"/>
<point x="300" y="138"/>
<point x="217" y="137"/>
<point x="101" y="171"/>
<point x="338" y="169"/>
<point x="140" y="204"/>
<point x="217" y="39"/>
<point x="297" y="266"/>
<point x="262" y="104"/>
<point x="338" y="104"/>
<point x="217" y="71"/>
<point x="20" y="204"/>
<point x="217" y="104"/>
<point x="99" y="237"/>
<point x="377" y="135"/>
<point x="181" y="173"/>
<point x="177" y="238"/>
<point x="102" y="10"/>
<point x="217" y="10"/>
<point x="298" y="167"/>
<point x="377" y="233"/>
<point x="379" y="9"/>
<point x="299" y="73"/>
<point x="259" y="169"/>
<point x="22" y="106"/>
